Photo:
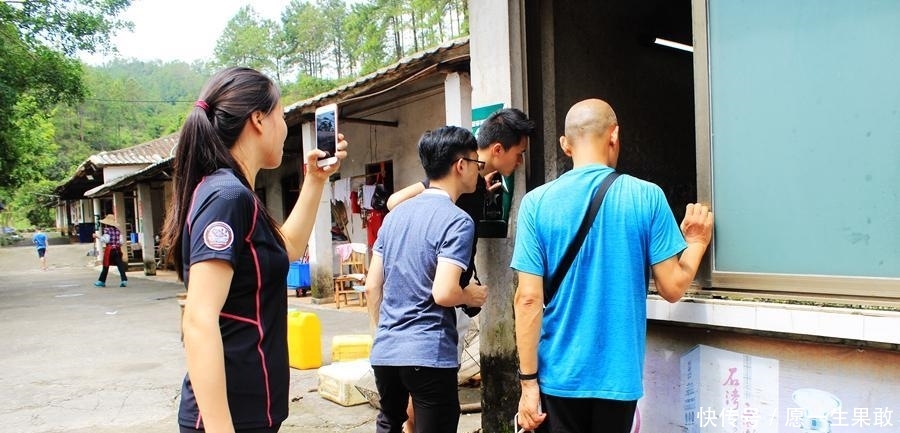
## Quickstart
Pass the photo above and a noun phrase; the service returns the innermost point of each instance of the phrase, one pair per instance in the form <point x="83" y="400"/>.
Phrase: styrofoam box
<point x="728" y="391"/>
<point x="337" y="382"/>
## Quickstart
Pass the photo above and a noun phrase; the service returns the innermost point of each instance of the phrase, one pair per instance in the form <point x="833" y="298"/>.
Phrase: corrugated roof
<point x="383" y="78"/>
<point x="150" y="152"/>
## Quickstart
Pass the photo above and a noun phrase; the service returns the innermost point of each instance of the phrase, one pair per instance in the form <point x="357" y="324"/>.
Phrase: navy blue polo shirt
<point x="226" y="222"/>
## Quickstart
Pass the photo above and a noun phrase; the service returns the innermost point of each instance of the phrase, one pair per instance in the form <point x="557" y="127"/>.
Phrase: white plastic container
<point x="337" y="382"/>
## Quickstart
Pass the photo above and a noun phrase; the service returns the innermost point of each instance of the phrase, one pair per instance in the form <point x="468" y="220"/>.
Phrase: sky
<point x="184" y="30"/>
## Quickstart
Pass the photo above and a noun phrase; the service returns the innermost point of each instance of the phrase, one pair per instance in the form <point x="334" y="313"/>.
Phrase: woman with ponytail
<point x="233" y="257"/>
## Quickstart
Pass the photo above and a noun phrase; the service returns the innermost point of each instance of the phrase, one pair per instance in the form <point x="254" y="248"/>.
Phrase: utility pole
<point x="499" y="383"/>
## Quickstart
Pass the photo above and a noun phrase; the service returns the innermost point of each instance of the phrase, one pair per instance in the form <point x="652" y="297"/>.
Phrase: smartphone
<point x="327" y="133"/>
<point x="499" y="180"/>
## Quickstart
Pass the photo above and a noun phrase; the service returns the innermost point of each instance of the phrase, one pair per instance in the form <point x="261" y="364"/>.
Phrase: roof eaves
<point x="342" y="91"/>
<point x="129" y="179"/>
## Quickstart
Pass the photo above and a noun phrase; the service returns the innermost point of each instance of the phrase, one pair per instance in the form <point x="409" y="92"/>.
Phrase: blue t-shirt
<point x="412" y="329"/>
<point x="40" y="240"/>
<point x="225" y="222"/>
<point x="594" y="329"/>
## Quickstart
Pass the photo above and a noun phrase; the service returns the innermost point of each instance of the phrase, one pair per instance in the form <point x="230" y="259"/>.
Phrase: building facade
<point x="783" y="118"/>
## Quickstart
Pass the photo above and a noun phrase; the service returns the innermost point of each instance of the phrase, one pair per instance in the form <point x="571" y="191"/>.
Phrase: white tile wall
<point x="849" y="323"/>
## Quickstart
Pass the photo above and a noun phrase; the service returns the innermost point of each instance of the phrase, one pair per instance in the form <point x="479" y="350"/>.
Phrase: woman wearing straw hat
<point x="112" y="253"/>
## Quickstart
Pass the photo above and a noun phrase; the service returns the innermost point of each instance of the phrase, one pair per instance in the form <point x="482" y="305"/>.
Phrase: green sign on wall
<point x="479" y="114"/>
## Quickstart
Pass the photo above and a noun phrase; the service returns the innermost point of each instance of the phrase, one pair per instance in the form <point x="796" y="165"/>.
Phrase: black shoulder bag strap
<point x="575" y="246"/>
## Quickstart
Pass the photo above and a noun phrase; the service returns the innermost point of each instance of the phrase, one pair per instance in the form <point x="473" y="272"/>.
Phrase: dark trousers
<point x="434" y="395"/>
<point x="184" y="429"/>
<point x="115" y="258"/>
<point x="583" y="415"/>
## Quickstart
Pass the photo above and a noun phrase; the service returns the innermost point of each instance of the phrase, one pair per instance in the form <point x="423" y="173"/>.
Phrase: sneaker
<point x="123" y="284"/>
<point x="100" y="284"/>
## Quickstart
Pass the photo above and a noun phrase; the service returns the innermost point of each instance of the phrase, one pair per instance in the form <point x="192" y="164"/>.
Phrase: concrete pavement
<point x="80" y="359"/>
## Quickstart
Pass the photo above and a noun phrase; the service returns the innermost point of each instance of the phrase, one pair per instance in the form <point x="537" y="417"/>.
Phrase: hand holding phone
<point x="327" y="133"/>
<point x="517" y="428"/>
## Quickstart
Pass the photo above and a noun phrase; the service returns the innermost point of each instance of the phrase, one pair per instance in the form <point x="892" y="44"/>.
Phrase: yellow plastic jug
<point x="304" y="340"/>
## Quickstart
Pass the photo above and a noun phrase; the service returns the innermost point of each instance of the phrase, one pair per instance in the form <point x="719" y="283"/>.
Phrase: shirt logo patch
<point x="218" y="236"/>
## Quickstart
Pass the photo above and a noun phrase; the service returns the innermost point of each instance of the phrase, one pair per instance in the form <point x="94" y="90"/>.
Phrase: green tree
<point x="392" y="12"/>
<point x="305" y="87"/>
<point x="38" y="39"/>
<point x="248" y="40"/>
<point x="335" y="13"/>
<point x="32" y="141"/>
<point x="34" y="149"/>
<point x="365" y="38"/>
<point x="305" y="35"/>
<point x="33" y="202"/>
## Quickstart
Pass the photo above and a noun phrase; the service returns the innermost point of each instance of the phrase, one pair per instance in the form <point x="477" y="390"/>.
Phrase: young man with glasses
<point x="502" y="141"/>
<point x="423" y="248"/>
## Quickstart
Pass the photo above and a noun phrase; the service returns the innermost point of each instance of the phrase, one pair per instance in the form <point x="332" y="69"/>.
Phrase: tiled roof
<point x="150" y="152"/>
<point x="156" y="171"/>
<point x="89" y="175"/>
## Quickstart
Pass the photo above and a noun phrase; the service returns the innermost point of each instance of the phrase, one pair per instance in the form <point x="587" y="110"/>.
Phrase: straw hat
<point x="109" y="220"/>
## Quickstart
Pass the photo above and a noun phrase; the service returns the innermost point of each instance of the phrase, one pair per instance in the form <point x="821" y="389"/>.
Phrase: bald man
<point x="581" y="357"/>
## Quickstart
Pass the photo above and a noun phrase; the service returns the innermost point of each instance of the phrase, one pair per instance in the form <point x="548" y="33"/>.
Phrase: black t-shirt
<point x="225" y="222"/>
<point x="473" y="202"/>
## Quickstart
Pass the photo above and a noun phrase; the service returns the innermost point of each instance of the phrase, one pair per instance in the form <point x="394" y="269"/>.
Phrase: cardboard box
<point x="350" y="347"/>
<point x="337" y="382"/>
<point x="731" y="392"/>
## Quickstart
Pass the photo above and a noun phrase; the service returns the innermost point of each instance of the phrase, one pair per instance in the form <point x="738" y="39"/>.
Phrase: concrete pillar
<point x="498" y="76"/>
<point x="61" y="225"/>
<point x="119" y="211"/>
<point x="97" y="210"/>
<point x="458" y="100"/>
<point x="320" y="248"/>
<point x="146" y="228"/>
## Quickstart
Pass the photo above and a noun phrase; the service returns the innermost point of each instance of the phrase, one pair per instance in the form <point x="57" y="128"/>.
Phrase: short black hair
<point x="439" y="149"/>
<point x="506" y="126"/>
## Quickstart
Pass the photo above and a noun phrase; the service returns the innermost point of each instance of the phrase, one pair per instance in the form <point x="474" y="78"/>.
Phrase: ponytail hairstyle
<point x="211" y="129"/>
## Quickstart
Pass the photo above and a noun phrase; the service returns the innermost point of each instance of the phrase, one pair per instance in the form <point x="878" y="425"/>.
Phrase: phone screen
<point x="326" y="131"/>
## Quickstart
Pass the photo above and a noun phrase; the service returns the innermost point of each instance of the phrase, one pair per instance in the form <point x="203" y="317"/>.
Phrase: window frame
<point x="709" y="276"/>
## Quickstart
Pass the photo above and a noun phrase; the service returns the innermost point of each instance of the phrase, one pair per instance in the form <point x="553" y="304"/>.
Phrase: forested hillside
<point x="127" y="103"/>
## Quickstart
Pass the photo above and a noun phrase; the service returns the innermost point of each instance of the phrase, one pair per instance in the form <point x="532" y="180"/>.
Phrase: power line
<point x="134" y="100"/>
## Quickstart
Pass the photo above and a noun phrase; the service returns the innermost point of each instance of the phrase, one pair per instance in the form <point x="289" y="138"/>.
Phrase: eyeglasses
<point x="480" y="163"/>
